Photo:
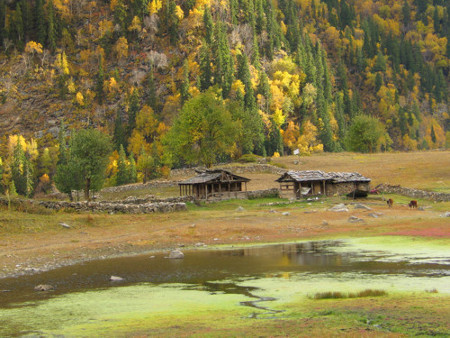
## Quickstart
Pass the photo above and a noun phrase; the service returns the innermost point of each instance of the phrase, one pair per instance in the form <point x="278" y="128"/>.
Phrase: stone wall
<point x="414" y="193"/>
<point x="269" y="193"/>
<point x="113" y="207"/>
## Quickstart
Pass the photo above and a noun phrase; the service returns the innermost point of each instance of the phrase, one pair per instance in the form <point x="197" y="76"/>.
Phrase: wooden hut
<point x="317" y="182"/>
<point x="214" y="183"/>
<point x="306" y="182"/>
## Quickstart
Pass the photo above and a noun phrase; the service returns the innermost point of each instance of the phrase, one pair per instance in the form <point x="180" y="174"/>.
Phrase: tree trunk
<point x="87" y="188"/>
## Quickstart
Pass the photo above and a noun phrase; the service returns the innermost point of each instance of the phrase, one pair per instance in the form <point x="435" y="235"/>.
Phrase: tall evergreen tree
<point x="2" y="21"/>
<point x="208" y="25"/>
<point x="184" y="90"/>
<point x="134" y="106"/>
<point x="122" y="176"/>
<point x="39" y="21"/>
<point x="51" y="28"/>
<point x="205" y="67"/>
<point x="100" y="79"/>
<point x="244" y="76"/>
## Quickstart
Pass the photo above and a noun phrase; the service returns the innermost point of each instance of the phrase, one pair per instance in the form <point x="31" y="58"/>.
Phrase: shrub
<point x="336" y="295"/>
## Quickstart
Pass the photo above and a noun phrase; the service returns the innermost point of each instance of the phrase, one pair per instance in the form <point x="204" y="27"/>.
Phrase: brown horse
<point x="413" y="204"/>
<point x="390" y="202"/>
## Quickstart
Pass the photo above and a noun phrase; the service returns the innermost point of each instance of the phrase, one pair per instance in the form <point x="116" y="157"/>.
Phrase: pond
<point x="259" y="279"/>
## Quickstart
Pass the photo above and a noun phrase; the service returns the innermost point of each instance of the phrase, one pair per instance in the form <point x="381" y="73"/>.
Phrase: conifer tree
<point x="40" y="22"/>
<point x="119" y="136"/>
<point x="150" y="91"/>
<point x="122" y="176"/>
<point x="2" y="21"/>
<point x="100" y="81"/>
<point x="51" y="31"/>
<point x="184" y="90"/>
<point x="17" y="30"/>
<point x="134" y="107"/>
<point x="205" y="67"/>
<point x="244" y="76"/>
<point x="132" y="170"/>
<point x="208" y="25"/>
<point x="120" y="15"/>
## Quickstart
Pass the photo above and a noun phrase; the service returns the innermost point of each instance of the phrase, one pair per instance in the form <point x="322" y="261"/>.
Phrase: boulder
<point x="44" y="287"/>
<point x="286" y="213"/>
<point x="239" y="209"/>
<point x="354" y="219"/>
<point x="446" y="214"/>
<point x="176" y="254"/>
<point x="362" y="206"/>
<point x="339" y="208"/>
<point x="115" y="279"/>
<point x="375" y="214"/>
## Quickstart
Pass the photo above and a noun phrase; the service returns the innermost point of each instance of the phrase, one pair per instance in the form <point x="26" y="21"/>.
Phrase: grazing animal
<point x="413" y="204"/>
<point x="390" y="202"/>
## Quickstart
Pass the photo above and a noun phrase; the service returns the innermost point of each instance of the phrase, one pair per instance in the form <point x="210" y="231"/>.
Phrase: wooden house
<point x="317" y="182"/>
<point x="306" y="182"/>
<point x="214" y="183"/>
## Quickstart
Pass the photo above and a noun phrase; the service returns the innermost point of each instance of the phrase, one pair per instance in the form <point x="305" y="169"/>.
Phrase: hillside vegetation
<point x="197" y="82"/>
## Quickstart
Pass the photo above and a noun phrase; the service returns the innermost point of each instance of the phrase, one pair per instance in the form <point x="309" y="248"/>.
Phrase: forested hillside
<point x="196" y="82"/>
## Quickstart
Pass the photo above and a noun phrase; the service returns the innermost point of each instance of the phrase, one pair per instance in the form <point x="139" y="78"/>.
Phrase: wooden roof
<point x="318" y="175"/>
<point x="214" y="176"/>
<point x="348" y="177"/>
<point x="304" y="175"/>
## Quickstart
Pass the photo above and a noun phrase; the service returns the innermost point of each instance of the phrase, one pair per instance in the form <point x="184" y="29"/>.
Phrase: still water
<point x="253" y="277"/>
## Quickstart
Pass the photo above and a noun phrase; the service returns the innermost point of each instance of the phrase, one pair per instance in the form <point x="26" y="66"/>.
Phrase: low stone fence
<point x="114" y="207"/>
<point x="269" y="193"/>
<point x="414" y="193"/>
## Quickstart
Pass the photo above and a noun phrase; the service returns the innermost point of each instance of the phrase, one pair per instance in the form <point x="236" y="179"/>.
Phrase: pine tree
<point x="208" y="25"/>
<point x="119" y="136"/>
<point x="244" y="76"/>
<point x="132" y="170"/>
<point x="122" y="176"/>
<point x="133" y="108"/>
<point x="205" y="67"/>
<point x="17" y="26"/>
<point x="40" y="22"/>
<point x="150" y="91"/>
<point x="100" y="79"/>
<point x="51" y="31"/>
<point x="184" y="90"/>
<point x="2" y="21"/>
<point x="120" y="15"/>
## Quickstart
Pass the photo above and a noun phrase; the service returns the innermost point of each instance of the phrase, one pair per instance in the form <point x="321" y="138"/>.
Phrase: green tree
<point x="184" y="90"/>
<point x="205" y="67"/>
<point x="100" y="81"/>
<point x="146" y="165"/>
<point x="40" y="22"/>
<point x="366" y="134"/>
<point x="86" y="164"/>
<point x="122" y="168"/>
<point x="51" y="31"/>
<point x="203" y="132"/>
<point x="208" y="25"/>
<point x="2" y="21"/>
